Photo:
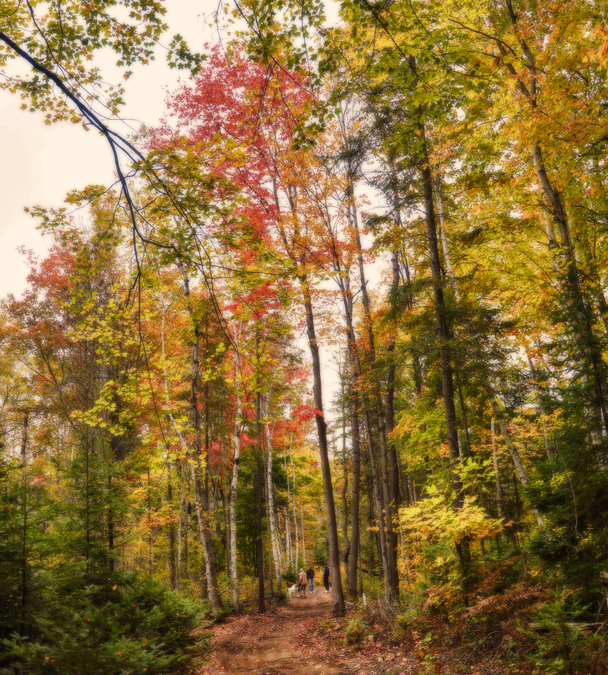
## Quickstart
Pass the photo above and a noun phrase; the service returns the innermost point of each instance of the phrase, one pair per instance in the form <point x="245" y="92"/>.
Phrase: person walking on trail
<point x="326" y="578"/>
<point x="302" y="584"/>
<point x="310" y="575"/>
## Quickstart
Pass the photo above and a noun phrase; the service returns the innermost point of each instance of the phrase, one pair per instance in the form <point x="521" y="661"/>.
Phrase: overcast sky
<point x="39" y="164"/>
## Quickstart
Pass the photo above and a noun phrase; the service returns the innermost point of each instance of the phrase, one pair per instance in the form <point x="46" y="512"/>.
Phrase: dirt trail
<point x="275" y="644"/>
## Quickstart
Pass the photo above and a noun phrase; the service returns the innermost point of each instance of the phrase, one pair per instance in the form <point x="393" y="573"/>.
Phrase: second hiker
<point x="310" y="575"/>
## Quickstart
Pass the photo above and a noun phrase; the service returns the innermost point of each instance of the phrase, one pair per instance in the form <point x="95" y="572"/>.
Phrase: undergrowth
<point x="114" y="623"/>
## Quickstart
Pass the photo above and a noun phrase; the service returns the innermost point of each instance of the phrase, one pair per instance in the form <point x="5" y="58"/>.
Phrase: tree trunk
<point x="258" y="504"/>
<point x="380" y="518"/>
<point x="303" y="537"/>
<point x="444" y="241"/>
<point x="182" y="532"/>
<point x="24" y="510"/>
<point x="499" y="507"/>
<point x="272" y="525"/>
<point x="355" y="374"/>
<point x="355" y="533"/>
<point x="332" y="526"/>
<point x="447" y="378"/>
<point x="296" y="561"/>
<point x="513" y="451"/>
<point x="201" y="497"/>
<point x="515" y="456"/>
<point x="234" y="483"/>
<point x="172" y="561"/>
<point x="345" y="504"/>
<point x="393" y="458"/>
<point x="387" y="503"/>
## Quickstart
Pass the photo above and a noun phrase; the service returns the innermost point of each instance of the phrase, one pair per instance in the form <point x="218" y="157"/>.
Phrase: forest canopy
<point x="344" y="303"/>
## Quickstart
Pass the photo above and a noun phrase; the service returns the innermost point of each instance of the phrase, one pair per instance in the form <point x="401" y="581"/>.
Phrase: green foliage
<point x="434" y="527"/>
<point x="330" y="624"/>
<point x="409" y="610"/>
<point x="573" y="498"/>
<point x="290" y="575"/>
<point x="10" y="549"/>
<point x="56" y="45"/>
<point x="320" y="553"/>
<point x="356" y="630"/>
<point x="114" y="624"/>
<point x="562" y="643"/>
<point x="23" y="512"/>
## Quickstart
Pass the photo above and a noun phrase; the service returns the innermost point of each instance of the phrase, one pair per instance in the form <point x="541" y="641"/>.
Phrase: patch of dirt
<point x="277" y="643"/>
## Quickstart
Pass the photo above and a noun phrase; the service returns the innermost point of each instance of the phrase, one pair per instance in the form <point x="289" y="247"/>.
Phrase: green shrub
<point x="409" y="609"/>
<point x="356" y="630"/>
<point x="561" y="641"/>
<point x="118" y="624"/>
<point x="290" y="575"/>
<point x="330" y="624"/>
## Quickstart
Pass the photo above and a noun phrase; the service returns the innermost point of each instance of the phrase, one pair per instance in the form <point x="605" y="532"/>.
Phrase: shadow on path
<point x="269" y="644"/>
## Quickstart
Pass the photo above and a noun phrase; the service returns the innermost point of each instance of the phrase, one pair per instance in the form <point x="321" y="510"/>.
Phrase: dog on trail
<point x="292" y="591"/>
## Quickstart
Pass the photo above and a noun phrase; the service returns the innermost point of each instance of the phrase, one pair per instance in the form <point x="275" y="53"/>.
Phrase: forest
<point x="344" y="304"/>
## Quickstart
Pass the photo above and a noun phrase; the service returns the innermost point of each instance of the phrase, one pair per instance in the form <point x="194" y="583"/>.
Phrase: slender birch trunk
<point x="515" y="456"/>
<point x="258" y="500"/>
<point x="513" y="451"/>
<point x="172" y="556"/>
<point x="294" y="510"/>
<point x="200" y="492"/>
<point x="344" y="484"/>
<point x="302" y="530"/>
<point x="496" y="473"/>
<point x="288" y="547"/>
<point x="176" y="583"/>
<point x="235" y="479"/>
<point x="276" y="555"/>
<point x="180" y="526"/>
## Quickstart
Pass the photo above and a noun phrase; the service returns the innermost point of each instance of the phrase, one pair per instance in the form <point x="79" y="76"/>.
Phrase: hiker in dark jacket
<point x="326" y="578"/>
<point x="310" y="575"/>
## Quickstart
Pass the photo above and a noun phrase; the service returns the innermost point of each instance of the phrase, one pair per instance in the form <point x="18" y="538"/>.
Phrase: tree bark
<point x="345" y="501"/>
<point x="258" y="503"/>
<point x="444" y="241"/>
<point x="236" y="458"/>
<point x="447" y="377"/>
<point x="201" y="497"/>
<point x="272" y="525"/>
<point x="390" y="540"/>
<point x="515" y="456"/>
<point x="24" y="510"/>
<point x="172" y="561"/>
<point x="389" y="401"/>
<point x="296" y="560"/>
<point x="332" y="526"/>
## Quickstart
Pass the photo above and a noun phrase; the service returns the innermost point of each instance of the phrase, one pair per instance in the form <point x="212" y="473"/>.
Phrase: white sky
<point x="39" y="164"/>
